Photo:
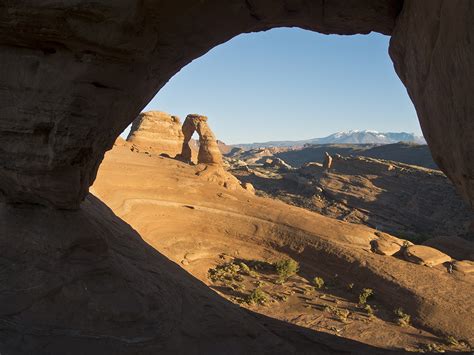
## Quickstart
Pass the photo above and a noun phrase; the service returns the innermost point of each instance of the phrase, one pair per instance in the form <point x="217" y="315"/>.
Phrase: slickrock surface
<point x="407" y="201"/>
<point x="209" y="226"/>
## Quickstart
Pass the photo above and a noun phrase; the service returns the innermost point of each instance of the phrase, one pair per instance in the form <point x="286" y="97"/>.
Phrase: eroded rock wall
<point x="433" y="52"/>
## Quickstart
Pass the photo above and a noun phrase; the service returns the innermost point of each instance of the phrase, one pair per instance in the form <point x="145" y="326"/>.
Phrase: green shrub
<point x="225" y="272"/>
<point x="369" y="310"/>
<point x="257" y="297"/>
<point x="286" y="268"/>
<point x="244" y="268"/>
<point x="403" y="319"/>
<point x="318" y="282"/>
<point x="364" y="295"/>
<point x="450" y="340"/>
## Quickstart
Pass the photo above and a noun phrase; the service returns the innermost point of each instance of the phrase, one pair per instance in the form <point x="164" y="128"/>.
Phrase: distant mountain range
<point x="349" y="137"/>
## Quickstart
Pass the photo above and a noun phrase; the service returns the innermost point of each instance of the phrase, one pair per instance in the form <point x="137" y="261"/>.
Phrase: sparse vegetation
<point x="244" y="268"/>
<point x="281" y="298"/>
<point x="432" y="348"/>
<point x="450" y="340"/>
<point x="364" y="295"/>
<point x="330" y="309"/>
<point x="318" y="282"/>
<point x="403" y="319"/>
<point x="369" y="310"/>
<point x="341" y="314"/>
<point x="309" y="291"/>
<point x="259" y="283"/>
<point x="285" y="268"/>
<point x="257" y="297"/>
<point x="225" y="272"/>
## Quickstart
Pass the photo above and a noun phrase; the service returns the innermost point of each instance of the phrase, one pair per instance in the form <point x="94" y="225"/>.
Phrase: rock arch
<point x="209" y="152"/>
<point x="75" y="76"/>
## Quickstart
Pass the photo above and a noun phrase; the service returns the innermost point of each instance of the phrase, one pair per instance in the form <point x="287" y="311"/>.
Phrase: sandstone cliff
<point x="158" y="132"/>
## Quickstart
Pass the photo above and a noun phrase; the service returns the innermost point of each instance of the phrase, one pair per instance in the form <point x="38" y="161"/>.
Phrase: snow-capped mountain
<point x="368" y="137"/>
<point x="347" y="137"/>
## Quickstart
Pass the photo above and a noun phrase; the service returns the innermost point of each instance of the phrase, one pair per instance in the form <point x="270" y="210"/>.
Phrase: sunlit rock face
<point x="158" y="132"/>
<point x="433" y="54"/>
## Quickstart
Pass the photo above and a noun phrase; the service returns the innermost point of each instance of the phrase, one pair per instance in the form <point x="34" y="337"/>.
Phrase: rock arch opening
<point x="65" y="164"/>
<point x="74" y="75"/>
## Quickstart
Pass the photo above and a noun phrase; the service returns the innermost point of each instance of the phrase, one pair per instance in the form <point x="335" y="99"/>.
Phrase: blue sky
<point x="290" y="84"/>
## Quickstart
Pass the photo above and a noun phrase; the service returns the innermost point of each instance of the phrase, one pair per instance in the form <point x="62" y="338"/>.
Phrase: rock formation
<point x="75" y="74"/>
<point x="327" y="164"/>
<point x="396" y="198"/>
<point x="429" y="38"/>
<point x="209" y="152"/>
<point x="158" y="132"/>
<point x="423" y="255"/>
<point x="386" y="244"/>
<point x="88" y="87"/>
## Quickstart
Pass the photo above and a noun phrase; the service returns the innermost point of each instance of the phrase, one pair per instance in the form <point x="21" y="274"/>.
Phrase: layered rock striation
<point x="158" y="132"/>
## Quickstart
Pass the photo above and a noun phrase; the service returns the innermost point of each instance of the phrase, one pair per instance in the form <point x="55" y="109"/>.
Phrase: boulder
<point x="456" y="247"/>
<point x="423" y="255"/>
<point x="386" y="244"/>
<point x="464" y="266"/>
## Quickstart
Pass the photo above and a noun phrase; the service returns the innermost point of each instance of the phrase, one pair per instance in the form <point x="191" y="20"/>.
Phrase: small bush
<point x="342" y="314"/>
<point x="403" y="319"/>
<point x="286" y="268"/>
<point x="364" y="295"/>
<point x="369" y="310"/>
<point x="450" y="340"/>
<point x="257" y="297"/>
<point x="432" y="348"/>
<point x="330" y="309"/>
<point x="350" y="286"/>
<point x="225" y="272"/>
<point x="244" y="268"/>
<point x="260" y="283"/>
<point x="318" y="282"/>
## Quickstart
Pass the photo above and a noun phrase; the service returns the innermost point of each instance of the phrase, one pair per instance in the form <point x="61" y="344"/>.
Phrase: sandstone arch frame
<point x="76" y="73"/>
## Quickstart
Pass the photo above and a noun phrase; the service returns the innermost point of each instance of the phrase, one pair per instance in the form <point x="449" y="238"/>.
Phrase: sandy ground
<point x="202" y="226"/>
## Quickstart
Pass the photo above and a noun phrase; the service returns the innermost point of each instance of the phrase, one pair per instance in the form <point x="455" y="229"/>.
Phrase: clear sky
<point x="291" y="84"/>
